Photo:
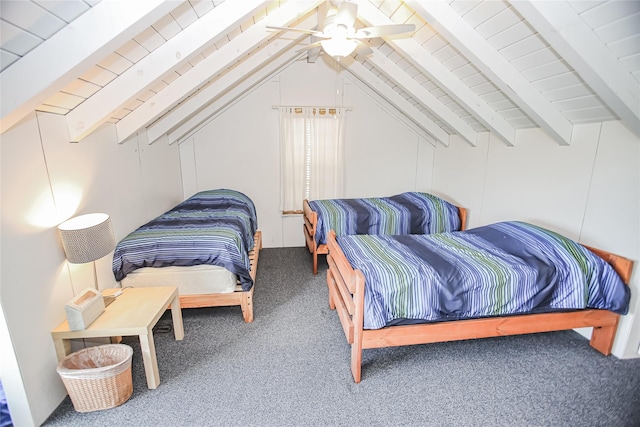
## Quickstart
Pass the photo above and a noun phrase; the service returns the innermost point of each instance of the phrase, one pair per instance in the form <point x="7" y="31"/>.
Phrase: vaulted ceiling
<point x="470" y="66"/>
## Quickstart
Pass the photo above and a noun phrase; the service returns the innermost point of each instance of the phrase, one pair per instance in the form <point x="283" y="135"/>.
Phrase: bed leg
<point x="602" y="339"/>
<point x="246" y="304"/>
<point x="358" y="327"/>
<point x="330" y="285"/>
<point x="315" y="262"/>
<point x="356" y="359"/>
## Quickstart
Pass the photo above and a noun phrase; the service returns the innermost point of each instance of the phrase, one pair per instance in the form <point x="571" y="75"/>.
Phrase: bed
<point x="208" y="246"/>
<point x="502" y="279"/>
<point x="406" y="213"/>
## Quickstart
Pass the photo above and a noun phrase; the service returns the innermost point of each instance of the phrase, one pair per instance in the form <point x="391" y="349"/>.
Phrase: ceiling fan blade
<point x="346" y="14"/>
<point x="363" y="49"/>
<point x="383" y="30"/>
<point x="299" y="30"/>
<point x="323" y="11"/>
<point x="310" y="46"/>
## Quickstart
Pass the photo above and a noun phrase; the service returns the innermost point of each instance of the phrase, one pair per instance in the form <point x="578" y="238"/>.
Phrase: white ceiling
<point x="471" y="66"/>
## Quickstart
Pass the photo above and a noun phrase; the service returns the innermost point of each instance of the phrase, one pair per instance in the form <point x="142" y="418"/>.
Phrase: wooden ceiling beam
<point x="382" y="89"/>
<point x="569" y="35"/>
<point x="492" y="64"/>
<point x="208" y="102"/>
<point x="440" y="75"/>
<point x="313" y="54"/>
<point x="201" y="106"/>
<point x="122" y="90"/>
<point x="228" y="99"/>
<point x="205" y="70"/>
<point x="390" y="108"/>
<point x="45" y="70"/>
<point x="420" y="94"/>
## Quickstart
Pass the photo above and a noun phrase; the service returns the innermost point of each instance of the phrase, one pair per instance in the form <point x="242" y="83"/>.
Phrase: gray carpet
<point x="290" y="367"/>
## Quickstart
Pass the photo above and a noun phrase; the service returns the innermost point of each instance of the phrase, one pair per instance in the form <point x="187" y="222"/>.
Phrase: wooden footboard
<point x="346" y="296"/>
<point x="242" y="298"/>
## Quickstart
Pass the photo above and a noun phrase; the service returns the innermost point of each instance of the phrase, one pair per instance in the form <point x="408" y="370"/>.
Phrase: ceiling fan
<point x="339" y="37"/>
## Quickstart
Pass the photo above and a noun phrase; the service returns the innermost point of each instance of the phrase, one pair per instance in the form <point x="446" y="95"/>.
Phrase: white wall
<point x="45" y="180"/>
<point x="588" y="191"/>
<point x="240" y="148"/>
<point x="382" y="155"/>
<point x="612" y="216"/>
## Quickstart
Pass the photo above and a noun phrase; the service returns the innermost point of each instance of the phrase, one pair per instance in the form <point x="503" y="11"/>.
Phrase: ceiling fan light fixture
<point x="339" y="37"/>
<point x="339" y="46"/>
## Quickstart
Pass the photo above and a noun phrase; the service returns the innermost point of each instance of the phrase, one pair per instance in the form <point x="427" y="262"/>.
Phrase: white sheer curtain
<point x="311" y="144"/>
<point x="293" y="154"/>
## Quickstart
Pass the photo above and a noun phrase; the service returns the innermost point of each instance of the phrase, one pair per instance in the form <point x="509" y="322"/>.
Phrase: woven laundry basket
<point x="98" y="377"/>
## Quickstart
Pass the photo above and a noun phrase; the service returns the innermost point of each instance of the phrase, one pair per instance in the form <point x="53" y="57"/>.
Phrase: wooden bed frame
<point x="242" y="298"/>
<point x="346" y="296"/>
<point x="311" y="222"/>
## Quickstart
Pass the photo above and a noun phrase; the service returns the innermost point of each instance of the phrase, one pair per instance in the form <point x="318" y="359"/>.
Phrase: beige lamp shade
<point x="86" y="238"/>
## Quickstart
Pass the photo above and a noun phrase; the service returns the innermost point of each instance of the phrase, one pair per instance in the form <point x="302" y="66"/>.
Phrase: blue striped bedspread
<point x="495" y="270"/>
<point x="214" y="227"/>
<point x="406" y="213"/>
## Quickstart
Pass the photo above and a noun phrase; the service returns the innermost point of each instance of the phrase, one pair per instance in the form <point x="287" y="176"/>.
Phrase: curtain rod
<point x="310" y="106"/>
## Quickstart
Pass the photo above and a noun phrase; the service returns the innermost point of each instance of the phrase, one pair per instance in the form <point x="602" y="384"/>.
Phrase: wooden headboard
<point x="621" y="265"/>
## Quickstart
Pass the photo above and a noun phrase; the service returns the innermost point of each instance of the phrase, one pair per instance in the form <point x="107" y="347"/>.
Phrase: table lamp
<point x="87" y="238"/>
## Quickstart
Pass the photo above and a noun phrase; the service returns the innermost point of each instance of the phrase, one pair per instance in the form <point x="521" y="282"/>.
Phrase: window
<point x="311" y="146"/>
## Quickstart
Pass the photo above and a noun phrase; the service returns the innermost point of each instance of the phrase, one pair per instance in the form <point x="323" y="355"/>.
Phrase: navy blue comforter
<point x="406" y="213"/>
<point x="495" y="270"/>
<point x="214" y="227"/>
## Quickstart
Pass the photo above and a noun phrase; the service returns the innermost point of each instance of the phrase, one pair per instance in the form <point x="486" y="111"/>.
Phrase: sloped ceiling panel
<point x="433" y="74"/>
<point x="471" y="66"/>
<point x="585" y="51"/>
<point x="381" y="87"/>
<point x="171" y="55"/>
<point x="239" y="47"/>
<point x="208" y="101"/>
<point x="43" y="71"/>
<point x="459" y="31"/>
<point x="410" y="85"/>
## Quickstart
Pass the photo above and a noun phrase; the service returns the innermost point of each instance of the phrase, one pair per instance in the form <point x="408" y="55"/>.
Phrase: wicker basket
<point x="98" y="377"/>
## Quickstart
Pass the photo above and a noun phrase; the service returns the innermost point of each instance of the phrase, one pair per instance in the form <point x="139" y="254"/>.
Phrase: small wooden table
<point x="134" y="312"/>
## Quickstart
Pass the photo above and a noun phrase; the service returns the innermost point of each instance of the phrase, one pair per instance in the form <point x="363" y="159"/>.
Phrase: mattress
<point x="193" y="280"/>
